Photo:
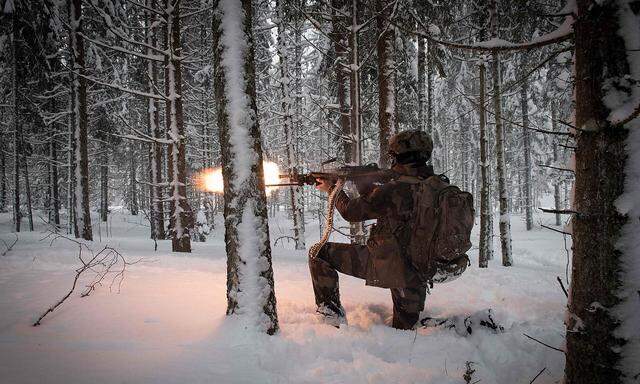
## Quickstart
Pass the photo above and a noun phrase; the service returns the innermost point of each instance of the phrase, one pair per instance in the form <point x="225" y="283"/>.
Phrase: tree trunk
<point x="603" y="285"/>
<point x="556" y="158"/>
<point x="486" y="245"/>
<point x="181" y="215"/>
<point x="17" y="127"/>
<point x="3" y="179"/>
<point x="54" y="189"/>
<point x="340" y="40"/>
<point x="287" y="125"/>
<point x="386" y="79"/>
<point x="27" y="190"/>
<point x="104" y="187"/>
<point x="17" y="153"/>
<point x="83" y="213"/>
<point x="250" y="293"/>
<point x="526" y="138"/>
<point x="153" y="116"/>
<point x="133" y="182"/>
<point x="505" y="223"/>
<point x="422" y="96"/>
<point x="358" y="235"/>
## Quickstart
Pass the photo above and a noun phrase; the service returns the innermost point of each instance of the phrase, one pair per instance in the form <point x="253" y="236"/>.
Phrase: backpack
<point x="441" y="230"/>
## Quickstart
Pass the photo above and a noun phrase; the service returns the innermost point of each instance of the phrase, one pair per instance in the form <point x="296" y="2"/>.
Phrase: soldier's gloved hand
<point x="324" y="185"/>
<point x="364" y="186"/>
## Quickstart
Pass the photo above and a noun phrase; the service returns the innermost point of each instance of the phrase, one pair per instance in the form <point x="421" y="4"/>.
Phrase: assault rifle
<point x="361" y="175"/>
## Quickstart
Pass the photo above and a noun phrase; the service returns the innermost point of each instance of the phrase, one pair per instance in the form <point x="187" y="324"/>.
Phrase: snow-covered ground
<point x="167" y="324"/>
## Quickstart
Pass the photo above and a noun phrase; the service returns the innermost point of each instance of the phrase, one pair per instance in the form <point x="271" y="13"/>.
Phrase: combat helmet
<point x="411" y="146"/>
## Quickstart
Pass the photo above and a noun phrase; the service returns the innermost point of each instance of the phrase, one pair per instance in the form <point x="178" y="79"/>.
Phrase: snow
<point x="622" y="105"/>
<point x="168" y="323"/>
<point x="239" y="110"/>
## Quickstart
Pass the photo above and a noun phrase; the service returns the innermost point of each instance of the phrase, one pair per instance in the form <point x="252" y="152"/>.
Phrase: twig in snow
<point x="539" y="373"/>
<point x="545" y="344"/>
<point x="9" y="247"/>
<point x="102" y="263"/>
<point x="562" y="286"/>
<point x="468" y="373"/>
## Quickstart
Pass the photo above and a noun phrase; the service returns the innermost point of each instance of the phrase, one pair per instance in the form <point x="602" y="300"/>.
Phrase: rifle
<point x="361" y="175"/>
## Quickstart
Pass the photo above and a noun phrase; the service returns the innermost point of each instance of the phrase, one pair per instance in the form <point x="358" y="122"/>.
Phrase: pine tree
<point x="250" y="294"/>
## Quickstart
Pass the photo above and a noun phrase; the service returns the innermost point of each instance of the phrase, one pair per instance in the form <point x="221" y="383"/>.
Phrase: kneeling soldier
<point x="383" y="262"/>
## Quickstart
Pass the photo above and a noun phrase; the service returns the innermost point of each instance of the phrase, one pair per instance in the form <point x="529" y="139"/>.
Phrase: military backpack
<point x="440" y="230"/>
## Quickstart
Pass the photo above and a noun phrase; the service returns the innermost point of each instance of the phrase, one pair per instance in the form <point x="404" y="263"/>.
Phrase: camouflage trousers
<point x="352" y="260"/>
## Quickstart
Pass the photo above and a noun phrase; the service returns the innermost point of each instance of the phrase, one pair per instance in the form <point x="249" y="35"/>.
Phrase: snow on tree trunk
<point x="287" y="126"/>
<point x="81" y="171"/>
<point x="486" y="243"/>
<point x="603" y="344"/>
<point x="504" y="222"/>
<point x="386" y="79"/>
<point x="526" y="138"/>
<point x="250" y="293"/>
<point x="181" y="215"/>
<point x="104" y="187"/>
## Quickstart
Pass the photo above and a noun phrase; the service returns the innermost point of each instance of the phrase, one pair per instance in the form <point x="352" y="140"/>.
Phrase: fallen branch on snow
<point x="107" y="261"/>
<point x="9" y="247"/>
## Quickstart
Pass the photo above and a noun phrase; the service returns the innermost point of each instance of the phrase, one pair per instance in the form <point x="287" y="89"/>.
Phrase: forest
<point x="145" y="157"/>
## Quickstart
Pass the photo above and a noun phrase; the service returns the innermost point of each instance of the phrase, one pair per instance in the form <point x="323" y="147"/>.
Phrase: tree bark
<point x="386" y="79"/>
<point x="526" y="138"/>
<point x="486" y="245"/>
<point x="287" y="125"/>
<point x="504" y="222"/>
<point x="133" y="182"/>
<point x="250" y="293"/>
<point x="104" y="188"/>
<point x="27" y="190"/>
<point x="83" y="213"/>
<point x="153" y="121"/>
<point x="593" y="345"/>
<point x="556" y="184"/>
<point x="181" y="215"/>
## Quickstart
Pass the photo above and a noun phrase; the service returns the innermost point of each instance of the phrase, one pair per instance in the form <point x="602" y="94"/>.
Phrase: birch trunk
<point x="250" y="294"/>
<point x="82" y="210"/>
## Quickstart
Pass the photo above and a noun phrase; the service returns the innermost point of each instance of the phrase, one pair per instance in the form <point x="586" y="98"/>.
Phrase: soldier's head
<point x="410" y="148"/>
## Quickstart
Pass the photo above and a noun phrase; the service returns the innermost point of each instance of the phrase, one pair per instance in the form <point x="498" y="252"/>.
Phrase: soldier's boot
<point x="407" y="305"/>
<point x="326" y="290"/>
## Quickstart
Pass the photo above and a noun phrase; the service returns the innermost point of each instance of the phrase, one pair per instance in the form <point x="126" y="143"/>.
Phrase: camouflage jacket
<point x="391" y="204"/>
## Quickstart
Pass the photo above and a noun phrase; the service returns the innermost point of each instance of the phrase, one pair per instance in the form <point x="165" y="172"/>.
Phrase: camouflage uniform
<point x="383" y="261"/>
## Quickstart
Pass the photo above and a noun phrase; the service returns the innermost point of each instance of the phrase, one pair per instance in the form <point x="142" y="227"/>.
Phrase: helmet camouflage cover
<point x="411" y="141"/>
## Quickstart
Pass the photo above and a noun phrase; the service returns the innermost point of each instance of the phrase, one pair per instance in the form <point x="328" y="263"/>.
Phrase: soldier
<point x="383" y="262"/>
